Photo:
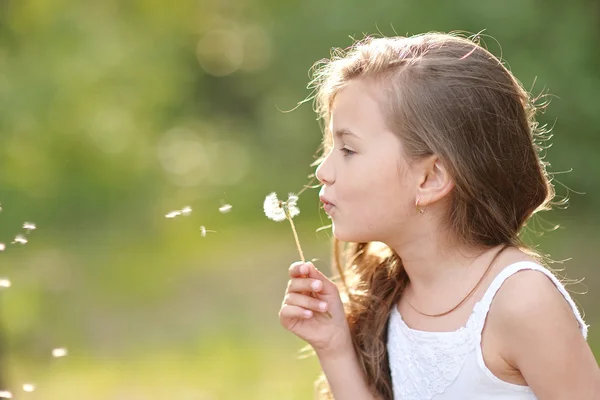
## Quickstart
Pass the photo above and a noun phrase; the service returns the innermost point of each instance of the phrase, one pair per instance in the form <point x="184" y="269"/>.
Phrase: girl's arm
<point x="345" y="376"/>
<point x="542" y="339"/>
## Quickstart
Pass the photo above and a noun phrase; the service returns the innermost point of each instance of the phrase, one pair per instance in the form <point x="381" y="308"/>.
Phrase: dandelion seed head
<point x="225" y="208"/>
<point x="20" y="239"/>
<point x="5" y="283"/>
<point x="274" y="208"/>
<point x="292" y="204"/>
<point x="28" y="387"/>
<point x="5" y="395"/>
<point x="29" y="226"/>
<point x="59" y="352"/>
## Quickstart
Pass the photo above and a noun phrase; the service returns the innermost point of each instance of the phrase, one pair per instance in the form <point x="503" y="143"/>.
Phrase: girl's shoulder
<point x="530" y="302"/>
<point x="539" y="330"/>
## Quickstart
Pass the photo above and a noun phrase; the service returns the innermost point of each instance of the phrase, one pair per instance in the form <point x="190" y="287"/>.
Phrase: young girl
<point x="429" y="171"/>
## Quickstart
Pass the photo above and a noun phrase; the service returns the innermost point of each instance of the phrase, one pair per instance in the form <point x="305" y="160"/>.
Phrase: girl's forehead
<point x="359" y="90"/>
<point x="356" y="111"/>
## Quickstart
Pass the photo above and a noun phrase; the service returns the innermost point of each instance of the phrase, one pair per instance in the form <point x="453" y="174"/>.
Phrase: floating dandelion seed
<point x="5" y="395"/>
<point x="59" y="352"/>
<point x="173" y="214"/>
<point x="29" y="226"/>
<point x="204" y="231"/>
<point x="5" y="283"/>
<point x="20" y="239"/>
<point x="187" y="210"/>
<point x="2" y="246"/>
<point x="28" y="387"/>
<point x="225" y="208"/>
<point x="278" y="210"/>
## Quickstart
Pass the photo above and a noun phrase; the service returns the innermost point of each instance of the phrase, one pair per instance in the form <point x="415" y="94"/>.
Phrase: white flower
<point x="225" y="208"/>
<point x="275" y="209"/>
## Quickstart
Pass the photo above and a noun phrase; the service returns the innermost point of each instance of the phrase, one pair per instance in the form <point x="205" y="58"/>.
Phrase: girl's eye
<point x="347" y="152"/>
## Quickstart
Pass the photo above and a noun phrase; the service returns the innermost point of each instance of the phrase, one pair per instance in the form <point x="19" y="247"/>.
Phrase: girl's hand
<point x="302" y="314"/>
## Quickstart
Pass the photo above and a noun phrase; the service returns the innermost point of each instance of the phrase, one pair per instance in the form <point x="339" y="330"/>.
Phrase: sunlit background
<point x="116" y="115"/>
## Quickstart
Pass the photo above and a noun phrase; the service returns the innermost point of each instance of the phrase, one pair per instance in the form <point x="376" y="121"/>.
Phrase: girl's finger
<point x="328" y="286"/>
<point x="288" y="311"/>
<point x="304" y="285"/>
<point x="300" y="300"/>
<point x="298" y="269"/>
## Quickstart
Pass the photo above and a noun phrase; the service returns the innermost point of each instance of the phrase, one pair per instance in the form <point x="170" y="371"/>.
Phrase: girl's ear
<point x="435" y="181"/>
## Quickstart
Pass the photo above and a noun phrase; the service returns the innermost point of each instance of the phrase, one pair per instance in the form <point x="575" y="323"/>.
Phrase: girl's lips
<point x="328" y="207"/>
<point x="325" y="200"/>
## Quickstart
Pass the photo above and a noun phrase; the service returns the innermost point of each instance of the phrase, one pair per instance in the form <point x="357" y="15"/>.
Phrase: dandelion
<point x="29" y="226"/>
<point x="204" y="231"/>
<point x="2" y="246"/>
<point x="5" y="395"/>
<point x="225" y="208"/>
<point x="59" y="352"/>
<point x="28" y="387"/>
<point x="278" y="210"/>
<point x="20" y="239"/>
<point x="5" y="283"/>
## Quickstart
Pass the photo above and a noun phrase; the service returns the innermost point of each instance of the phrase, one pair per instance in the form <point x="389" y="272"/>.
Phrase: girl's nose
<point x="324" y="173"/>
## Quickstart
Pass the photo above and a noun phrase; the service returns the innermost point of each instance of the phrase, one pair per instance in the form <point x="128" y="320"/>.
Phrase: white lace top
<point x="449" y="365"/>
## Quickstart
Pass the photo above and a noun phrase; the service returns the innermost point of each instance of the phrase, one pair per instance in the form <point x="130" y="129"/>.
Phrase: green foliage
<point x="114" y="113"/>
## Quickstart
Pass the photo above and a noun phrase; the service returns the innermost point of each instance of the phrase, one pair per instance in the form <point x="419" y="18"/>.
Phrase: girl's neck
<point x="435" y="268"/>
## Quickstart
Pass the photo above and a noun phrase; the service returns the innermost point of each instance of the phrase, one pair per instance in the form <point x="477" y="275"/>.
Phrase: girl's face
<point x="365" y="175"/>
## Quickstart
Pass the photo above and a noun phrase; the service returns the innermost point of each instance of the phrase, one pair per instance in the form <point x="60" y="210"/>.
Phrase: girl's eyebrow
<point x="345" y="132"/>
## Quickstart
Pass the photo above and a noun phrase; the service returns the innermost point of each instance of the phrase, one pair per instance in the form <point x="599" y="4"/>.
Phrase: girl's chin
<point x="348" y="237"/>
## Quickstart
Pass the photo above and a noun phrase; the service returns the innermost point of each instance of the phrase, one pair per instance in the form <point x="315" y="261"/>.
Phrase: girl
<point x="430" y="169"/>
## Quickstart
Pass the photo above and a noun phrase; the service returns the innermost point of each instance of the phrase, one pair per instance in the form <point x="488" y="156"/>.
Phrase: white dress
<point x="449" y="365"/>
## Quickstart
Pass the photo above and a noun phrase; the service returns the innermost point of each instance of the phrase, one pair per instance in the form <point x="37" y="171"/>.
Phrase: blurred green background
<point x="114" y="113"/>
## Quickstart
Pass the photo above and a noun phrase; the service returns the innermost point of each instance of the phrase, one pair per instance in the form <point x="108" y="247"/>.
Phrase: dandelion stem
<point x="287" y="214"/>
<point x="289" y="218"/>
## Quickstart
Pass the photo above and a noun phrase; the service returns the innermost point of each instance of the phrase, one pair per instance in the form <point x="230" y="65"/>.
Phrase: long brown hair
<point x="445" y="95"/>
